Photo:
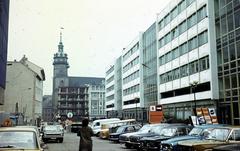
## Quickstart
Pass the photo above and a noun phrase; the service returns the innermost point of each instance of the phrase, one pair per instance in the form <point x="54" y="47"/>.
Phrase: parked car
<point x="154" y="142"/>
<point x="97" y="124"/>
<point x="124" y="138"/>
<point x="197" y="133"/>
<point x="134" y="140"/>
<point x="122" y="130"/>
<point x="229" y="147"/>
<point x="20" y="138"/>
<point x="219" y="136"/>
<point x="52" y="132"/>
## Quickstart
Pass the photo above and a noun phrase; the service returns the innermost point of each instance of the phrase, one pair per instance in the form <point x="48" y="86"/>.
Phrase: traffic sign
<point x="70" y="115"/>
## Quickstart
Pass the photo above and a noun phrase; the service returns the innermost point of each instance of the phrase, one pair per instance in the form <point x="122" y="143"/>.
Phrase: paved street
<point x="71" y="142"/>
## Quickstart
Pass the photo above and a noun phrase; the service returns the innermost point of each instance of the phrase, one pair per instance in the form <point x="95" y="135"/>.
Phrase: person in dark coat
<point x="85" y="134"/>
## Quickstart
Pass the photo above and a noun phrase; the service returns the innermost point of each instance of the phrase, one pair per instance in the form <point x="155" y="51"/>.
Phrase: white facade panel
<point x="203" y="25"/>
<point x="161" y="51"/>
<point x="184" y="59"/>
<point x="184" y="82"/>
<point x="131" y="83"/>
<point x="129" y="106"/>
<point x="131" y="96"/>
<point x="162" y="69"/>
<point x="205" y="76"/>
<point x="200" y="3"/>
<point x="109" y="93"/>
<point x="191" y="9"/>
<point x="109" y="75"/>
<point x="110" y="84"/>
<point x="182" y="16"/>
<point x="192" y="32"/>
<point x="168" y="47"/>
<point x="167" y="28"/>
<point x="169" y="86"/>
<point x="174" y="23"/>
<point x="194" y="77"/>
<point x="162" y="88"/>
<point x="176" y="84"/>
<point x="183" y="38"/>
<point x="193" y="55"/>
<point x="175" y="63"/>
<point x="131" y="58"/>
<point x="168" y="66"/>
<point x="160" y="34"/>
<point x="204" y="50"/>
<point x="174" y="43"/>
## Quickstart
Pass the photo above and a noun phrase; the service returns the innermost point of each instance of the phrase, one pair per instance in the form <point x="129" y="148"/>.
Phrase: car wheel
<point x="128" y="145"/>
<point x="44" y="140"/>
<point x="98" y="134"/>
<point x="60" y="140"/>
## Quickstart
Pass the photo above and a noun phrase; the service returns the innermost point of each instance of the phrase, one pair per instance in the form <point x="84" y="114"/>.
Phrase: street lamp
<point x="136" y="101"/>
<point x="193" y="89"/>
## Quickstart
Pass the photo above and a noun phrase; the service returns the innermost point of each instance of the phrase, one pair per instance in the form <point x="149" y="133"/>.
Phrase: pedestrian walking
<point x="85" y="134"/>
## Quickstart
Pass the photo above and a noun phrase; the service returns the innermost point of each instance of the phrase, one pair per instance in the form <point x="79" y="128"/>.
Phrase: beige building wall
<point x="24" y="86"/>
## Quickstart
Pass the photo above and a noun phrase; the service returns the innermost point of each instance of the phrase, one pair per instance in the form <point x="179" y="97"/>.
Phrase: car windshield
<point x="195" y="131"/>
<point x="120" y="129"/>
<point x="18" y="140"/>
<point x="145" y="128"/>
<point x="52" y="128"/>
<point x="168" y="132"/>
<point x="219" y="134"/>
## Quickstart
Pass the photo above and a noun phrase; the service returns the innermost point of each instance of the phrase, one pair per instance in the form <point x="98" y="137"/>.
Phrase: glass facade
<point x="227" y="23"/>
<point x="150" y="66"/>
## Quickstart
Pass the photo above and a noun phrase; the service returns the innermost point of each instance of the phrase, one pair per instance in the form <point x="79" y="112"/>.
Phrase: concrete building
<point x="71" y="94"/>
<point x="226" y="16"/>
<point x="47" y="113"/>
<point x="187" y="56"/>
<point x="24" y="90"/>
<point x="132" y="88"/>
<point x="113" y="86"/>
<point x="96" y="103"/>
<point x="4" y="15"/>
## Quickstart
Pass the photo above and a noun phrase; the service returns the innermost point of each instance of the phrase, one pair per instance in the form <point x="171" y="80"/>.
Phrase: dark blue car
<point x="198" y="133"/>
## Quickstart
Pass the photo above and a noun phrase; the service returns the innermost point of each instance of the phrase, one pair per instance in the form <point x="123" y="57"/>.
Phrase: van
<point x="96" y="125"/>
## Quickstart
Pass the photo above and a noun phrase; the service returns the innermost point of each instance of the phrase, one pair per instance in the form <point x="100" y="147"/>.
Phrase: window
<point x="162" y="60"/>
<point x="175" y="53"/>
<point x="184" y="70"/>
<point x="204" y="63"/>
<point x="167" y="38"/>
<point x="169" y="56"/>
<point x="189" y="2"/>
<point x="181" y="6"/>
<point x="176" y="74"/>
<point x="174" y="33"/>
<point x="182" y="27"/>
<point x="183" y="48"/>
<point x="174" y="13"/>
<point x="166" y="19"/>
<point x="161" y="25"/>
<point x="202" y="13"/>
<point x="193" y="67"/>
<point x="192" y="44"/>
<point x="202" y="38"/>
<point x="237" y="18"/>
<point x="224" y="25"/>
<point x="192" y="20"/>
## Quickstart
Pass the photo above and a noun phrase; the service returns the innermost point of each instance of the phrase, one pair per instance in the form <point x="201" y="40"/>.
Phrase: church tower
<point x="60" y="72"/>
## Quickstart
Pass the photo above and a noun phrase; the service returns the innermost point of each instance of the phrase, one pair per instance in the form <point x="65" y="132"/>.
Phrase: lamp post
<point x="136" y="117"/>
<point x="193" y="89"/>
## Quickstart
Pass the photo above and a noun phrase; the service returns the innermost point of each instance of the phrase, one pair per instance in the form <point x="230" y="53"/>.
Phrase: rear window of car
<point x="18" y="140"/>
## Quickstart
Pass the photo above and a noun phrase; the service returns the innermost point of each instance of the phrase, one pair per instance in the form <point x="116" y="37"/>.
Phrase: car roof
<point x="18" y="129"/>
<point x="211" y="125"/>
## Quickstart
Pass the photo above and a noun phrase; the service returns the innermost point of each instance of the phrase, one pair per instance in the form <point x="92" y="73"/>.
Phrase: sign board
<point x="153" y="108"/>
<point x="158" y="107"/>
<point x="70" y="115"/>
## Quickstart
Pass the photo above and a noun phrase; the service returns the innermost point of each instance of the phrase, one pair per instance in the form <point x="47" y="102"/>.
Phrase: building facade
<point x="24" y="90"/>
<point x="227" y="24"/>
<point x="71" y="94"/>
<point x="96" y="103"/>
<point x="47" y="113"/>
<point x="4" y="15"/>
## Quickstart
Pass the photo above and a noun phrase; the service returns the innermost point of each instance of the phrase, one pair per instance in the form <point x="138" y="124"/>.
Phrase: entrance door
<point x="224" y="113"/>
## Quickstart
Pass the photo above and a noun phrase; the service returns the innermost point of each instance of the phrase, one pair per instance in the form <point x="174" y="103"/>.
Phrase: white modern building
<point x="186" y="57"/>
<point x="96" y="103"/>
<point x="24" y="90"/>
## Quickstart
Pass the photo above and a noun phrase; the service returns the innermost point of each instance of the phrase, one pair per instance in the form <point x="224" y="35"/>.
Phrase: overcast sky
<point x="94" y="34"/>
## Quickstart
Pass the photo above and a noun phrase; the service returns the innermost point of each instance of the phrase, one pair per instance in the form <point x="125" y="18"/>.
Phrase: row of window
<point x="131" y="77"/>
<point x="110" y="79"/>
<point x="188" y="69"/>
<point x="110" y="70"/>
<point x="111" y="97"/>
<point x="110" y="88"/>
<point x="182" y="27"/>
<point x="131" y="90"/>
<point x="189" y="45"/>
<point x="131" y="51"/>
<point x="131" y="64"/>
<point x="174" y="12"/>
